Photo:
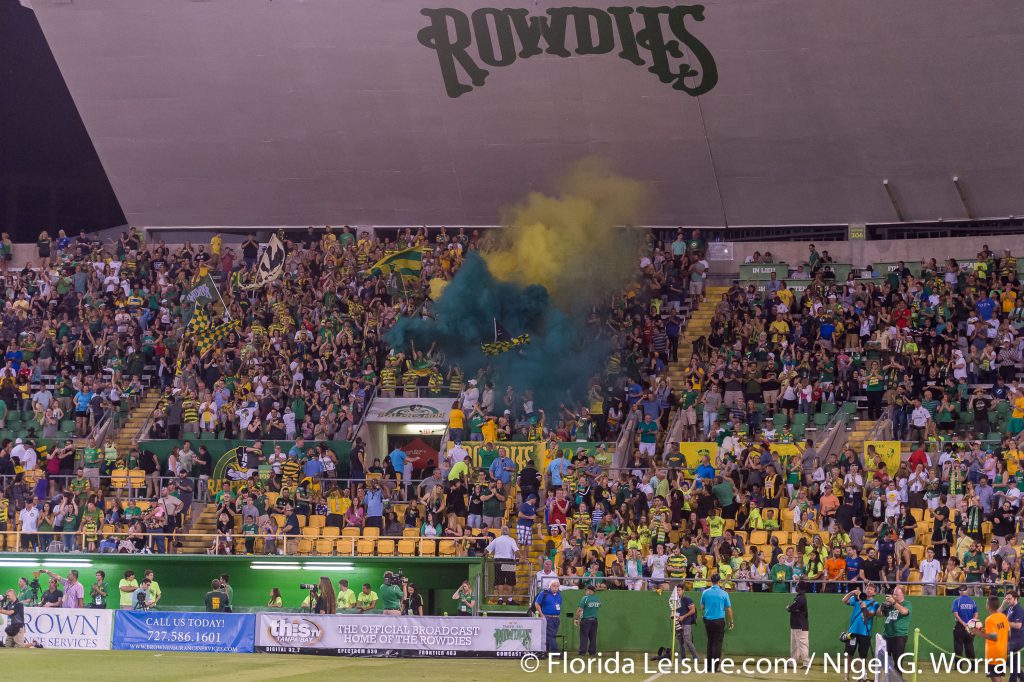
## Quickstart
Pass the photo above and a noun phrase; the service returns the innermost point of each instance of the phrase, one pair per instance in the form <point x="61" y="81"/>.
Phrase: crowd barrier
<point x="67" y="628"/>
<point x="398" y="636"/>
<point x="372" y="636"/>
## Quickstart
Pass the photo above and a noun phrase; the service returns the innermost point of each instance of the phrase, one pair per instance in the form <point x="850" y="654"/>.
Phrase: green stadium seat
<point x="800" y="419"/>
<point x="828" y="408"/>
<point x="780" y="421"/>
<point x="821" y="420"/>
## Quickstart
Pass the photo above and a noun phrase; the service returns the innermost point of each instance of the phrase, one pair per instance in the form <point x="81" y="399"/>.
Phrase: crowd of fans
<point x="93" y="324"/>
<point x="936" y="357"/>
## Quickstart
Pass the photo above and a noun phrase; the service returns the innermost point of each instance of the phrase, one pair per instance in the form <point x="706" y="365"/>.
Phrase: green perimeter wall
<point x="639" y="621"/>
<point x="185" y="580"/>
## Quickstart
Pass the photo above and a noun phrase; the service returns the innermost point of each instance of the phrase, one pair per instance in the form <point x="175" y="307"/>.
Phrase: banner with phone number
<point x="168" y="631"/>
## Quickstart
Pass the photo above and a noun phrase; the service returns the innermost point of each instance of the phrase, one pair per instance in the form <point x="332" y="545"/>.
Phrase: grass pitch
<point x="52" y="665"/>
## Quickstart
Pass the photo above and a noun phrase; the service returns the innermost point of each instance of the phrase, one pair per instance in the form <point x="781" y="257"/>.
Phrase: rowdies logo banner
<point x="466" y="44"/>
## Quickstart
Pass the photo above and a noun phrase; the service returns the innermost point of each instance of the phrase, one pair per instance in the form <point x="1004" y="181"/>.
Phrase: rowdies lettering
<point x="466" y="44"/>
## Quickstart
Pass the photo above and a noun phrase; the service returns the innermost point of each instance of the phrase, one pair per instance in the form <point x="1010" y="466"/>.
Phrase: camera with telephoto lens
<point x="394" y="578"/>
<point x="307" y="586"/>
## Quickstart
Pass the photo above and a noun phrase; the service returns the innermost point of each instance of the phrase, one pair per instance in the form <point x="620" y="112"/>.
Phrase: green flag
<point x="203" y="291"/>
<point x="407" y="263"/>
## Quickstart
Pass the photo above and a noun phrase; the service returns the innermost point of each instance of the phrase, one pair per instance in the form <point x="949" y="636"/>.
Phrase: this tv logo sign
<point x="294" y="631"/>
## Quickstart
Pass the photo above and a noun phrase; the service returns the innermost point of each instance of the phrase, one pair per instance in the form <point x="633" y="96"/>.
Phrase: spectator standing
<point x="74" y="592"/>
<point x="549" y="603"/>
<point x="505" y="552"/>
<point x="798" y="625"/>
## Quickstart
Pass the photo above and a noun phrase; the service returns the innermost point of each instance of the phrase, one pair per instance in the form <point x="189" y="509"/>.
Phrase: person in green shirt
<point x="92" y="458"/>
<point x="98" y="592"/>
<point x="216" y="599"/>
<point x="648" y="429"/>
<point x="467" y="600"/>
<point x="155" y="593"/>
<point x="346" y="597"/>
<point x="391" y="595"/>
<point x="586" y="621"/>
<point x="126" y="588"/>
<point x="25" y="593"/>
<point x="974" y="566"/>
<point x="367" y="599"/>
<point x="781" y="574"/>
<point x="896" y="627"/>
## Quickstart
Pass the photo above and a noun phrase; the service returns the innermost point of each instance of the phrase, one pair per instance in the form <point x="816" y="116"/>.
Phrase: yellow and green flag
<point x="407" y="263"/>
<point x="205" y="339"/>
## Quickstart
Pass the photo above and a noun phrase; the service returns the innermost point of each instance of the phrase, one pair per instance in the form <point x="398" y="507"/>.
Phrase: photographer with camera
<point x="896" y="626"/>
<point x="28" y="592"/>
<point x="142" y="600"/>
<point x="15" y="611"/>
<point x="392" y="593"/>
<point x="857" y="638"/>
<point x="321" y="596"/>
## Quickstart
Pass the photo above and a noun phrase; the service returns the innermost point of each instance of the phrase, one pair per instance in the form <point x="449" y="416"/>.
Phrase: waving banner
<point x="270" y="265"/>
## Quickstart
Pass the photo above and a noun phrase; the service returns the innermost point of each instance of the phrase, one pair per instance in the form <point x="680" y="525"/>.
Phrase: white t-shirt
<point x="503" y="547"/>
<point x="544" y="579"/>
<point x="29" y="520"/>
<point x="930" y="570"/>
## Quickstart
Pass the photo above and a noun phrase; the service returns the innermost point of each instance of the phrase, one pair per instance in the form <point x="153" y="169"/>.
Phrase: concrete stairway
<point x="205" y="523"/>
<point x="129" y="430"/>
<point x="698" y="325"/>
<point x="860" y="432"/>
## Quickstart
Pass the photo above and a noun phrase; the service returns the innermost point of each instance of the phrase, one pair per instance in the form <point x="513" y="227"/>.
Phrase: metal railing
<point x="269" y="544"/>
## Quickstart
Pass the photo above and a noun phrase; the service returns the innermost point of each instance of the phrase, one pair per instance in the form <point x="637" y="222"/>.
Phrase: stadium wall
<point x="185" y="580"/>
<point x="639" y="621"/>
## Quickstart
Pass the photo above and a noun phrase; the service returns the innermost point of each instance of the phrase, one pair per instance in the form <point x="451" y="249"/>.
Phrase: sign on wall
<point x="424" y="410"/>
<point x="67" y="628"/>
<point x="169" y="631"/>
<point x="387" y="636"/>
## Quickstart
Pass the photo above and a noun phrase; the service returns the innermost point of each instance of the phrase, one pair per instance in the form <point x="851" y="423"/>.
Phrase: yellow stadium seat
<point x="781" y="535"/>
<point x="331" y="531"/>
<point x="272" y="498"/>
<point x="351" y="532"/>
<point x="446" y="548"/>
<point x="365" y="547"/>
<point x="109" y="529"/>
<point x="317" y="521"/>
<point x="345" y="547"/>
<point x="742" y="535"/>
<point x="410" y="533"/>
<point x="917" y="551"/>
<point x="324" y="546"/>
<point x="428" y="548"/>
<point x="406" y="548"/>
<point x="371" y="532"/>
<point x="918" y="514"/>
<point x="137" y="478"/>
<point x="310" y="532"/>
<point x="385" y="547"/>
<point x="302" y="520"/>
<point x="305" y="546"/>
<point x="280" y="520"/>
<point x="119" y="479"/>
<point x="758" y="537"/>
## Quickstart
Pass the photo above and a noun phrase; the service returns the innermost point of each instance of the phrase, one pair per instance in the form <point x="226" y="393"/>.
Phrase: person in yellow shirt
<point x="456" y="423"/>
<point x="785" y="295"/>
<point x="490" y="430"/>
<point x="997" y="635"/>
<point x="215" y="244"/>
<point x="779" y="329"/>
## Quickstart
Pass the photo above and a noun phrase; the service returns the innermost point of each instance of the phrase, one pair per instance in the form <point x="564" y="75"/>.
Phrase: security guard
<point x="586" y="621"/>
<point x="717" y="608"/>
<point x="549" y="603"/>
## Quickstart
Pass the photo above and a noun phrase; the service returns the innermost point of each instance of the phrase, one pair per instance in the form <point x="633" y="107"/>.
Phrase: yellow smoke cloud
<point x="574" y="244"/>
